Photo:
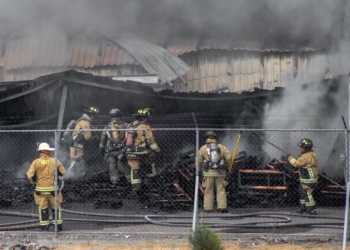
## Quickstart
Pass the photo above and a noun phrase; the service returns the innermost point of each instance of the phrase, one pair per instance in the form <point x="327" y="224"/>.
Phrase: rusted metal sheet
<point x="50" y="52"/>
<point x="187" y="45"/>
<point x="245" y="70"/>
<point x="59" y="51"/>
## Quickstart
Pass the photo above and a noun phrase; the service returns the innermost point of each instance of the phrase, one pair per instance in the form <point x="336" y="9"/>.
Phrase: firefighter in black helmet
<point x="213" y="158"/>
<point x="307" y="165"/>
<point x="81" y="134"/>
<point x="112" y="144"/>
<point x="141" y="148"/>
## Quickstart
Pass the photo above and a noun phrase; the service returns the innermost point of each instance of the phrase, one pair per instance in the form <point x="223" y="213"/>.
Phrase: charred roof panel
<point x="187" y="45"/>
<point x="56" y="51"/>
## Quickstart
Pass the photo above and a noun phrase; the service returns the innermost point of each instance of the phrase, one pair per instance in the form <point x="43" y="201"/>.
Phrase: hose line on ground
<point x="281" y="219"/>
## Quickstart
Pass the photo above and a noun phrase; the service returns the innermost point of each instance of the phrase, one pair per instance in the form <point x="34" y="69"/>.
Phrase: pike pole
<point x="235" y="151"/>
<point x="269" y="142"/>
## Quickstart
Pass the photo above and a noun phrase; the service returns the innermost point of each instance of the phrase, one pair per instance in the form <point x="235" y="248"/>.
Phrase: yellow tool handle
<point x="235" y="151"/>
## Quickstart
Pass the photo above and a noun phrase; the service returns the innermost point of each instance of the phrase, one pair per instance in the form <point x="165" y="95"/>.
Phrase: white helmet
<point x="45" y="146"/>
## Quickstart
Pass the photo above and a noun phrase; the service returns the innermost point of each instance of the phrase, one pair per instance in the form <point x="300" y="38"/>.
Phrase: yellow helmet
<point x="143" y="112"/>
<point x="92" y="110"/>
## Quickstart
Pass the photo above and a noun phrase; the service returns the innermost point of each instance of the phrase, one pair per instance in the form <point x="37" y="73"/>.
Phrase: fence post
<point x="56" y="182"/>
<point x="195" y="205"/>
<point x="346" y="216"/>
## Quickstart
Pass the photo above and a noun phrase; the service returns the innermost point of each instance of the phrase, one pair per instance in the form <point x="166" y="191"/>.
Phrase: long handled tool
<point x="269" y="142"/>
<point x="235" y="151"/>
<point x="324" y="176"/>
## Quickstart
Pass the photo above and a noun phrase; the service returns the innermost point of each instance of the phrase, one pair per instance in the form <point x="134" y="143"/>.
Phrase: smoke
<point x="312" y="21"/>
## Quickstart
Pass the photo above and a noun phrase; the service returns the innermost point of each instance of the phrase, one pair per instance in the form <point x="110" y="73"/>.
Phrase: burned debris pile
<point x="255" y="181"/>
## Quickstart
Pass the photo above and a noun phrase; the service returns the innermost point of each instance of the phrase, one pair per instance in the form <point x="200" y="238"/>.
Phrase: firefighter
<point x="307" y="165"/>
<point x="141" y="148"/>
<point x="80" y="137"/>
<point x="42" y="173"/>
<point x="112" y="144"/>
<point x="213" y="158"/>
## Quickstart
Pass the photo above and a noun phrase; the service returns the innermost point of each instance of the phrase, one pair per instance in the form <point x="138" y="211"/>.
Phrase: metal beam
<point x="62" y="108"/>
<point x="187" y="98"/>
<point x="28" y="124"/>
<point x="27" y="92"/>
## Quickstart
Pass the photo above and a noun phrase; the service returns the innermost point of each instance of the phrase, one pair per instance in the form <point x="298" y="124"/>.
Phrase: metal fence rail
<point x="262" y="187"/>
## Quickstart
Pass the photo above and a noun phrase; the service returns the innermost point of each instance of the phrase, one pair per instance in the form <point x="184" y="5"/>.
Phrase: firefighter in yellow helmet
<point x="213" y="158"/>
<point x="80" y="137"/>
<point x="112" y="144"/>
<point x="307" y="165"/>
<point x="141" y="148"/>
<point x="42" y="173"/>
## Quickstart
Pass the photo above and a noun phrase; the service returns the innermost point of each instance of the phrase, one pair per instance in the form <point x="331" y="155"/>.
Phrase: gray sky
<point x="311" y="21"/>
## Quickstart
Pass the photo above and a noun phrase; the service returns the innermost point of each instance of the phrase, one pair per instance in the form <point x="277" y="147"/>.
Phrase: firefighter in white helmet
<point x="141" y="148"/>
<point x="42" y="173"/>
<point x="213" y="158"/>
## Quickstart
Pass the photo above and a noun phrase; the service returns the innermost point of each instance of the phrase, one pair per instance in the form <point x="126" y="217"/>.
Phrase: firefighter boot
<point x="302" y="209"/>
<point x="44" y="219"/>
<point x="135" y="182"/>
<point x="59" y="218"/>
<point x="312" y="212"/>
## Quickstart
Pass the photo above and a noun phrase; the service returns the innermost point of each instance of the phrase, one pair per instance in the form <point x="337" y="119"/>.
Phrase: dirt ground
<point x="185" y="246"/>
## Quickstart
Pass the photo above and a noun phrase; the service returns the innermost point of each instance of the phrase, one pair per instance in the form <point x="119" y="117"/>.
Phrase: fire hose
<point x="282" y="150"/>
<point x="284" y="220"/>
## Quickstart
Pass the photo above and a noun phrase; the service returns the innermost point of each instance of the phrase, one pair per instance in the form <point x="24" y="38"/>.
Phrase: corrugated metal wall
<point x="35" y="72"/>
<point x="244" y="70"/>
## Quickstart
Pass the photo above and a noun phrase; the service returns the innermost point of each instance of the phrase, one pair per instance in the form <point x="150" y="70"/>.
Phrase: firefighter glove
<point x="102" y="151"/>
<point x="205" y="166"/>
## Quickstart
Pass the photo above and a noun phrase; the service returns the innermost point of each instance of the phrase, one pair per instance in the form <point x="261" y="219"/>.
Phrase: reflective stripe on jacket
<point x="44" y="170"/>
<point x="143" y="137"/>
<point x="82" y="124"/>
<point x="307" y="164"/>
<point x="204" y="157"/>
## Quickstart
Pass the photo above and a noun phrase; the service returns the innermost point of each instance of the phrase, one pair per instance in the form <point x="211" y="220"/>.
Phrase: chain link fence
<point x="262" y="188"/>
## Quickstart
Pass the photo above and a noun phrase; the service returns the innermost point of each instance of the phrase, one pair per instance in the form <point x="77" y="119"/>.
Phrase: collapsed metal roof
<point x="39" y="99"/>
<point x="56" y="49"/>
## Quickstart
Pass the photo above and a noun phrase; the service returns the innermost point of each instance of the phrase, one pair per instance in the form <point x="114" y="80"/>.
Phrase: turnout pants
<point x="146" y="162"/>
<point x="116" y="166"/>
<point x="76" y="167"/>
<point x="43" y="202"/>
<point x="208" y="185"/>
<point x="307" y="201"/>
<point x="75" y="153"/>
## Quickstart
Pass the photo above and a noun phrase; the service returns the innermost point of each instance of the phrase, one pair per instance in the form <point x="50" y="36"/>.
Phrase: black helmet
<point x="92" y="110"/>
<point x="115" y="113"/>
<point x="210" y="133"/>
<point x="306" y="143"/>
<point x="143" y="112"/>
